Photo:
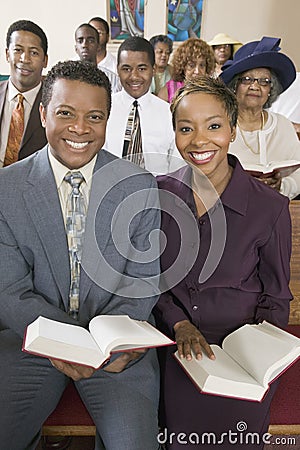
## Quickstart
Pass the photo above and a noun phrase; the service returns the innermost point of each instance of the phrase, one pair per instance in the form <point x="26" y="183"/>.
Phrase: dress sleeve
<point x="274" y="272"/>
<point x="167" y="313"/>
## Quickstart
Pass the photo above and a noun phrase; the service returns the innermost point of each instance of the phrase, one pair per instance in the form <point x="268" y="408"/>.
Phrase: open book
<point x="75" y="344"/>
<point x="250" y="359"/>
<point x="284" y="167"/>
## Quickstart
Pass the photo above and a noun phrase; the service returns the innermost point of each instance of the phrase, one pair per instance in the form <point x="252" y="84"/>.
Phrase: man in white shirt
<point x="104" y="57"/>
<point x="135" y="67"/>
<point x="26" y="53"/>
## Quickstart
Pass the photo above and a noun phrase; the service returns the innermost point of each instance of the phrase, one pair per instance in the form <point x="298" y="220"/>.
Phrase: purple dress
<point x="249" y="233"/>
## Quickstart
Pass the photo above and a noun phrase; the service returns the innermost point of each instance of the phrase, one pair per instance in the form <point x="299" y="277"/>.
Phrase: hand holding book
<point x="107" y="334"/>
<point x="74" y="371"/>
<point x="274" y="180"/>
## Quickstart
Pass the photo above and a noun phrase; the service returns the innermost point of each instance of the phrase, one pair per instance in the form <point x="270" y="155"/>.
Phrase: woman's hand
<point x="274" y="182"/>
<point x="189" y="338"/>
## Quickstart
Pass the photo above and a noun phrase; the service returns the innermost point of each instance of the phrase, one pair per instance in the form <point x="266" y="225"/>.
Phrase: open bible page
<point x="258" y="352"/>
<point x="121" y="332"/>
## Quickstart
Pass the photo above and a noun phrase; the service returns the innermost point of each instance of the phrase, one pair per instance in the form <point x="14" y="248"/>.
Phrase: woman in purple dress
<point x="225" y="263"/>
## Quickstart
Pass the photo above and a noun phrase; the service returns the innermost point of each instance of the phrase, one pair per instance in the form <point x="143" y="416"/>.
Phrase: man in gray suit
<point x="119" y="268"/>
<point x="26" y="53"/>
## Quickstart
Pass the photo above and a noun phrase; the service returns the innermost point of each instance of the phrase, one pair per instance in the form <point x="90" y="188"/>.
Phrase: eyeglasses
<point x="249" y="80"/>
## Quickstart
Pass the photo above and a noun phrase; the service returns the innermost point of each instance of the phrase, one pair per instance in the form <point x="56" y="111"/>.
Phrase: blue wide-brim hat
<point x="263" y="53"/>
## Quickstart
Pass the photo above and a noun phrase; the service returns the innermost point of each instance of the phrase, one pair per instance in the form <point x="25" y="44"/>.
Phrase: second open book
<point x="250" y="359"/>
<point x="285" y="168"/>
<point x="74" y="344"/>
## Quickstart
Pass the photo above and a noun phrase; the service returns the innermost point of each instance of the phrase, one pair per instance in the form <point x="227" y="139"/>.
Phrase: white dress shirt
<point x="158" y="138"/>
<point x="113" y="78"/>
<point x="288" y="103"/>
<point x="9" y="105"/>
<point x="109" y="62"/>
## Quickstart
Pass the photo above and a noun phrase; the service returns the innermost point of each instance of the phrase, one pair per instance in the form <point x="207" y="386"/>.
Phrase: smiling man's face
<point x="135" y="72"/>
<point x="75" y="121"/>
<point x="27" y="60"/>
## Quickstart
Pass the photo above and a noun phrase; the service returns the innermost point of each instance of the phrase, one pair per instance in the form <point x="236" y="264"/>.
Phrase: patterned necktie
<point x="132" y="148"/>
<point x="15" y="134"/>
<point x="75" y="226"/>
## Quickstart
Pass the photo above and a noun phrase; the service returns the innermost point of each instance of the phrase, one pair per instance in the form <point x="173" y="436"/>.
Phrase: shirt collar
<point x="143" y="100"/>
<point x="29" y="96"/>
<point x="60" y="170"/>
<point x="239" y="182"/>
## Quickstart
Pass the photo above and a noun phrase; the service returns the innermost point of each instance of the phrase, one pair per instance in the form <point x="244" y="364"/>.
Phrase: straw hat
<point x="263" y="53"/>
<point x="222" y="39"/>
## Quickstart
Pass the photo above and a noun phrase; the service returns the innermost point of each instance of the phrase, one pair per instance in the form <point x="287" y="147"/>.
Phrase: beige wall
<point x="249" y="20"/>
<point x="244" y="19"/>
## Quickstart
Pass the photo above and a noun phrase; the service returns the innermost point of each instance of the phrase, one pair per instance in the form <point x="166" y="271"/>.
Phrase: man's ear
<point x="7" y="54"/>
<point x="42" y="115"/>
<point x="45" y="61"/>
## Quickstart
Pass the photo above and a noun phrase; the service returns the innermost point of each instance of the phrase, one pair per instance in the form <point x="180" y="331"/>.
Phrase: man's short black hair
<point x="100" y="20"/>
<point x="27" y="25"/>
<point x="76" y="71"/>
<point x="137" y="44"/>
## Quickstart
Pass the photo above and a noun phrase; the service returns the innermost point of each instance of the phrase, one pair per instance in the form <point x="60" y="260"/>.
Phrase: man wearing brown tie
<point x="21" y="131"/>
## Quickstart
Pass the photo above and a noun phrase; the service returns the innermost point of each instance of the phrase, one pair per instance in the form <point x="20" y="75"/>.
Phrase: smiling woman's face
<point x="203" y="133"/>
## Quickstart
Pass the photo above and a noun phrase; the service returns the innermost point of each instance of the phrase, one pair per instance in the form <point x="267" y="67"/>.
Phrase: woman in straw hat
<point x="258" y="73"/>
<point x="224" y="47"/>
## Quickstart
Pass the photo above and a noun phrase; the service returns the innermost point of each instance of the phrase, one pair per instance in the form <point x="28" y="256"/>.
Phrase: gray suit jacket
<point x="34" y="261"/>
<point x="34" y="137"/>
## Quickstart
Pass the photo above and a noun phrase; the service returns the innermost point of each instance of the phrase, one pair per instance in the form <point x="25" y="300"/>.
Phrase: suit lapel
<point x="99" y="220"/>
<point x="41" y="197"/>
<point x="3" y="89"/>
<point x="34" y="120"/>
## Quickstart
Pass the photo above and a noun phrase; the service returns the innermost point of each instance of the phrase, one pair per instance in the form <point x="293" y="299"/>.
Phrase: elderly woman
<point x="224" y="47"/>
<point x="225" y="263"/>
<point x="257" y="74"/>
<point x="163" y="47"/>
<point x="192" y="58"/>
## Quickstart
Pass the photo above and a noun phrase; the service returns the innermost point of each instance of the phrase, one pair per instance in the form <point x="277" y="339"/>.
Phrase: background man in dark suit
<point x="118" y="259"/>
<point x="26" y="53"/>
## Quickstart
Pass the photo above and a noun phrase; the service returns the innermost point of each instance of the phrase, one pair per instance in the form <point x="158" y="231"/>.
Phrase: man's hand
<point x="121" y="362"/>
<point x="189" y="338"/>
<point x="74" y="371"/>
